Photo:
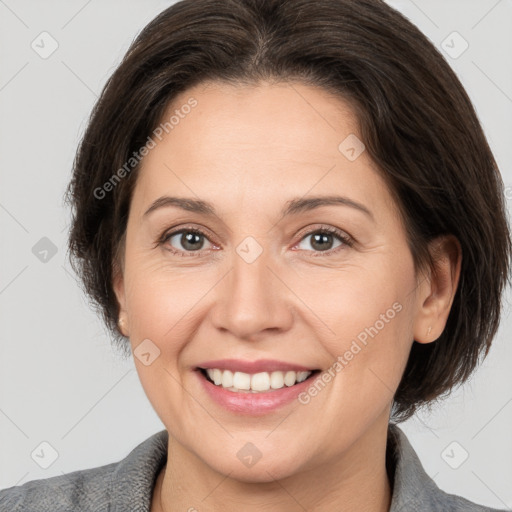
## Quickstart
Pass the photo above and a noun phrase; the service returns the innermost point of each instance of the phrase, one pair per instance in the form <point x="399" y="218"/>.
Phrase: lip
<point x="262" y="365"/>
<point x="253" y="404"/>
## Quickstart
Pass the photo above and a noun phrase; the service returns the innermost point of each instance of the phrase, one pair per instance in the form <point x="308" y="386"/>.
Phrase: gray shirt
<point x="126" y="486"/>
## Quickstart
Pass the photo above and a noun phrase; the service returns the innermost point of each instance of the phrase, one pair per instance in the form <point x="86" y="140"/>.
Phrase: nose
<point x="253" y="299"/>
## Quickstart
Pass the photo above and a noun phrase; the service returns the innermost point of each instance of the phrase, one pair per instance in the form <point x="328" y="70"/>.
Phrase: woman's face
<point x="273" y="274"/>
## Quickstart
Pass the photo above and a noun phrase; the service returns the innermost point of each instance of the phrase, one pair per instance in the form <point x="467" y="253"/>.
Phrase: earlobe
<point x="118" y="286"/>
<point x="121" y="324"/>
<point x="436" y="294"/>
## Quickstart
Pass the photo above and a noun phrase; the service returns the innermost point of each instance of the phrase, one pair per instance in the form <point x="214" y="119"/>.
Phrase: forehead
<point x="276" y="141"/>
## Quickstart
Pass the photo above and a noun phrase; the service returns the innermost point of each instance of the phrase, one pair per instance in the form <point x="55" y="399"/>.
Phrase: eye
<point x="191" y="241"/>
<point x="324" y="241"/>
<point x="185" y="241"/>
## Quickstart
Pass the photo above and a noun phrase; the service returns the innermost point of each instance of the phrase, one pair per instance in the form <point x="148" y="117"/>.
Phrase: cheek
<point x="345" y="304"/>
<point x="366" y="320"/>
<point x="163" y="307"/>
<point x="162" y="303"/>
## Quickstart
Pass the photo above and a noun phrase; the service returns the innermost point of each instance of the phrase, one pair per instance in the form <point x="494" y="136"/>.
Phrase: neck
<point x="356" y="480"/>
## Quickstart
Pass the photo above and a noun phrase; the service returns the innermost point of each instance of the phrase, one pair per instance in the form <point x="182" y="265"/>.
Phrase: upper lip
<point x="261" y="365"/>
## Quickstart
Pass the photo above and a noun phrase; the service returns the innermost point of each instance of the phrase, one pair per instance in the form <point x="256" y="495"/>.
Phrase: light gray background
<point x="60" y="381"/>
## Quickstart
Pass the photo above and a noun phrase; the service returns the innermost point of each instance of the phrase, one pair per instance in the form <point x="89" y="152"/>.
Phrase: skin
<point x="249" y="150"/>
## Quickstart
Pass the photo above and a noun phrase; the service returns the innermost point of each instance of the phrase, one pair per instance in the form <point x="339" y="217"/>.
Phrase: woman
<point x="290" y="214"/>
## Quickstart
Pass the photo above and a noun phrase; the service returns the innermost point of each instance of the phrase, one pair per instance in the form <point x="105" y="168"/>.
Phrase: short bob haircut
<point x="415" y="118"/>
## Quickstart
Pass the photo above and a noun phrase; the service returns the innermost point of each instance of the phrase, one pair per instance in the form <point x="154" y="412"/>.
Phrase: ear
<point x="437" y="291"/>
<point x="119" y="290"/>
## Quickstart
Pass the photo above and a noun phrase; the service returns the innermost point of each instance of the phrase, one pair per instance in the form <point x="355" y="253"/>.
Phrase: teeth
<point x="290" y="378"/>
<point x="227" y="379"/>
<point x="217" y="376"/>
<point x="260" y="381"/>
<point x="241" y="380"/>
<point x="277" y="380"/>
<point x="257" y="382"/>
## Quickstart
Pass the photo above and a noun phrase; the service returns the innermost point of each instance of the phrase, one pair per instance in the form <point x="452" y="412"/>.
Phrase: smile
<point x="241" y="382"/>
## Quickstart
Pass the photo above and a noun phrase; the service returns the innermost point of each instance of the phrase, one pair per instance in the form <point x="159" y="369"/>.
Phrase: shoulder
<point x="442" y="501"/>
<point x="123" y="485"/>
<point x="413" y="489"/>
<point x="79" y="490"/>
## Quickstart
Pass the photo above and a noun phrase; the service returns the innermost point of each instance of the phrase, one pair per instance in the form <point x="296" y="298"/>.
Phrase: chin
<point x="271" y="465"/>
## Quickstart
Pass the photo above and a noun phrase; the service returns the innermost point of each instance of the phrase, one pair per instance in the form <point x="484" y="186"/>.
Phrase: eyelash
<point x="345" y="239"/>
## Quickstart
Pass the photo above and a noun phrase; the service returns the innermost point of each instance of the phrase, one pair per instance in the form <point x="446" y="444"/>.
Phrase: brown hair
<point x="416" y="121"/>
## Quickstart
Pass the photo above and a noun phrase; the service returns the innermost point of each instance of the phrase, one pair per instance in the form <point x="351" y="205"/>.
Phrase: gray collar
<point x="134" y="477"/>
<point x="409" y="480"/>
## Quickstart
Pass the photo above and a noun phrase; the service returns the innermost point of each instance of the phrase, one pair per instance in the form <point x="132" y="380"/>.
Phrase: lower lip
<point x="253" y="404"/>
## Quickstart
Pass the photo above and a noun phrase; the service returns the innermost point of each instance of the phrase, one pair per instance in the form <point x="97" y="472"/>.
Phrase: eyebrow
<point x="292" y="207"/>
